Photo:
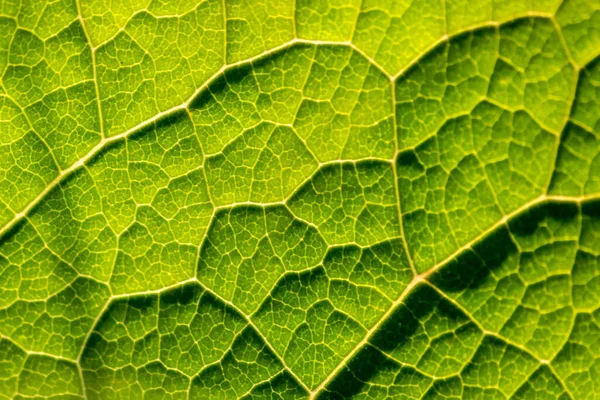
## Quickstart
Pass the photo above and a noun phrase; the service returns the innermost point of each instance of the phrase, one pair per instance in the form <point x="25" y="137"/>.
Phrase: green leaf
<point x="300" y="199"/>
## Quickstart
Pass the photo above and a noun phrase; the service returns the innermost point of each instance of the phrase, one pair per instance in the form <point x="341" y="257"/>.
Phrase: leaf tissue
<point x="300" y="199"/>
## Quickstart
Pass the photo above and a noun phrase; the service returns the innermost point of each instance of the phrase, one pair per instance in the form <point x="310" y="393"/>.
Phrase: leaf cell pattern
<point x="300" y="199"/>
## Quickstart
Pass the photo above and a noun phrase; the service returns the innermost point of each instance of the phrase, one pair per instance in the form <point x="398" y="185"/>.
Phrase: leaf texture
<point x="300" y="199"/>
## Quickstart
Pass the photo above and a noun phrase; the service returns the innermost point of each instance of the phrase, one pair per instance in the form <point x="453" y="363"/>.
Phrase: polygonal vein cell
<point x="247" y="249"/>
<point x="350" y="203"/>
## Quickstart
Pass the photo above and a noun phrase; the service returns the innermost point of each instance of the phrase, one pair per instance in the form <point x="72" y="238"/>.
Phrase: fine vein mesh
<point x="299" y="199"/>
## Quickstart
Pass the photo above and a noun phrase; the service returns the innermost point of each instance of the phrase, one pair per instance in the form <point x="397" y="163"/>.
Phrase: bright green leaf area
<point x="300" y="199"/>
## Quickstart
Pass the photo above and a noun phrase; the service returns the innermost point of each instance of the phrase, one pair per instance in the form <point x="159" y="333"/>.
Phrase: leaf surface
<point x="300" y="199"/>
